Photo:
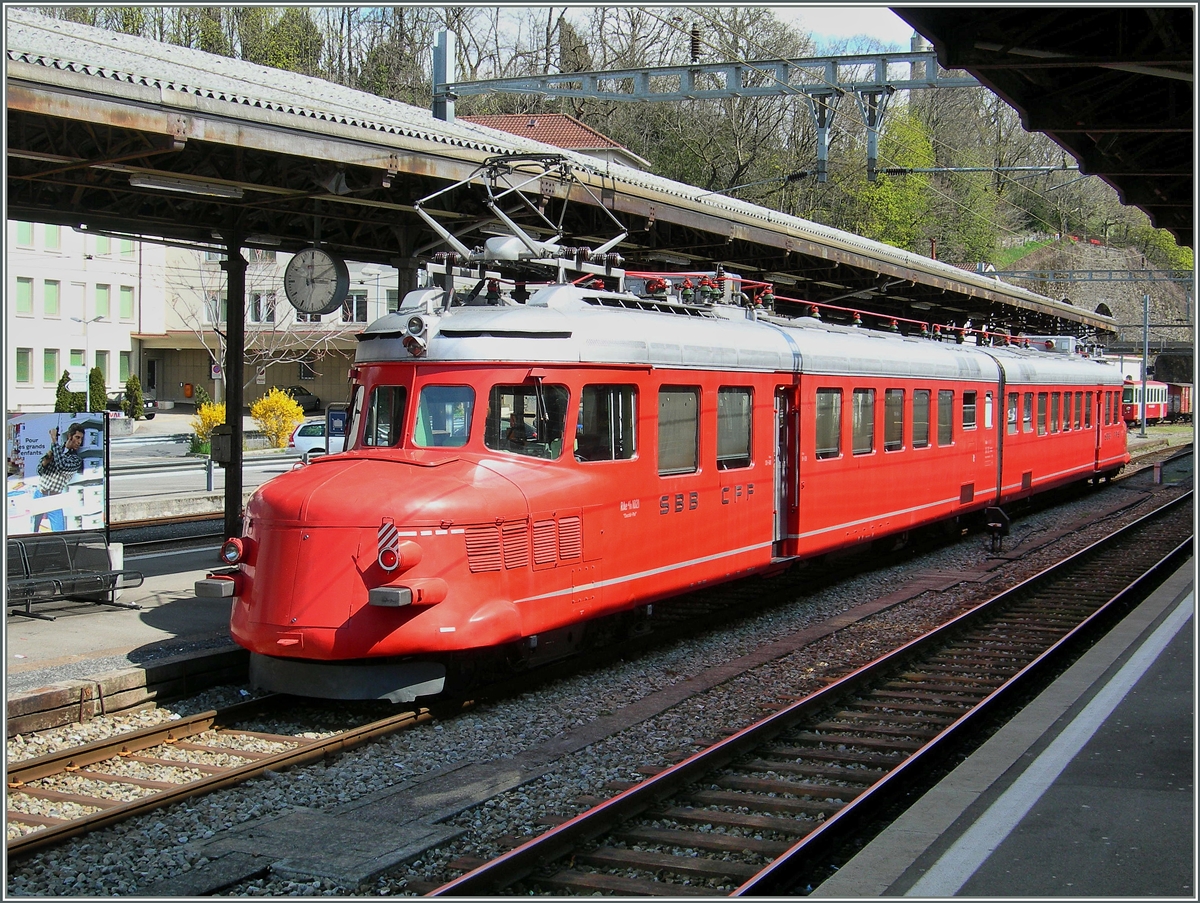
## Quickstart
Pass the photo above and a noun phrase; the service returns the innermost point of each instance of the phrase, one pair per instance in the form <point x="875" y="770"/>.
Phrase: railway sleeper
<point x="891" y="718"/>
<point x="683" y="864"/>
<point x="888" y="729"/>
<point x="795" y="827"/>
<point x="953" y="711"/>
<point x="590" y="882"/>
<point x="865" y="776"/>
<point x="837" y="755"/>
<point x="847" y="738"/>
<point x="983" y="672"/>
<point x="976" y="656"/>
<point x="795" y="788"/>
<point x="763" y="803"/>
<point x="58" y="796"/>
<point x="716" y="843"/>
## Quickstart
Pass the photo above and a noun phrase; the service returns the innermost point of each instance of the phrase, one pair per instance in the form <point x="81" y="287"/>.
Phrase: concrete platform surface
<point x="1088" y="792"/>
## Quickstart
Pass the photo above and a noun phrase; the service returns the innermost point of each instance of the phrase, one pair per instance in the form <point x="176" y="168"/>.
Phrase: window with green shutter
<point x="24" y="364"/>
<point x="24" y="295"/>
<point x="103" y="293"/>
<point x="50" y="298"/>
<point x="125" y="302"/>
<point x="50" y="371"/>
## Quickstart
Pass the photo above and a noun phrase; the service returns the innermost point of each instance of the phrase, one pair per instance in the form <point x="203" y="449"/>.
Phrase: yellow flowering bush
<point x="207" y="416"/>
<point x="277" y="414"/>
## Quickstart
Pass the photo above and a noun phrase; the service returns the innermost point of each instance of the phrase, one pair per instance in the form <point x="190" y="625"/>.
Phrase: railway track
<point x="98" y="784"/>
<point x="764" y="810"/>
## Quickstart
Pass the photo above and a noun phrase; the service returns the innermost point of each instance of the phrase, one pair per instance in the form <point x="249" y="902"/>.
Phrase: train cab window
<point x="733" y="428"/>
<point x="1054" y="412"/>
<point x="968" y="409"/>
<point x="920" y="418"/>
<point x="605" y="429"/>
<point x="862" y="416"/>
<point x="945" y="417"/>
<point x="1127" y="395"/>
<point x="678" y="429"/>
<point x="1087" y="412"/>
<point x="444" y="416"/>
<point x="1014" y="404"/>
<point x="528" y="419"/>
<point x="893" y="419"/>
<point x="1027" y="415"/>
<point x="829" y="423"/>
<point x="1078" y="410"/>
<point x="1041" y="414"/>
<point x="384" y="420"/>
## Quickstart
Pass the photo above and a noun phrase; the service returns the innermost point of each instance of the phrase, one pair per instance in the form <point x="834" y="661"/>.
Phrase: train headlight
<point x="232" y="551"/>
<point x="416" y="325"/>
<point x="389" y="559"/>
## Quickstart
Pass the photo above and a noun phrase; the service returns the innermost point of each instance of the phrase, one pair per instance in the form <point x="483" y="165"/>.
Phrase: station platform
<point x="1088" y="792"/>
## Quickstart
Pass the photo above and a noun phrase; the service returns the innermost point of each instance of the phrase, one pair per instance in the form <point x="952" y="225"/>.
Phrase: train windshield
<point x="384" y="417"/>
<point x="528" y="419"/>
<point x="444" y="416"/>
<point x="1127" y="395"/>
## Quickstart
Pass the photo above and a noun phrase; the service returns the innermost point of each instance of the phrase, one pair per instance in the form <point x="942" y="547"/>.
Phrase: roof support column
<point x="234" y="265"/>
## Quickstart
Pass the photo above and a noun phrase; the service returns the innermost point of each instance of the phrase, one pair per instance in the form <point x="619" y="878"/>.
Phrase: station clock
<point x="316" y="282"/>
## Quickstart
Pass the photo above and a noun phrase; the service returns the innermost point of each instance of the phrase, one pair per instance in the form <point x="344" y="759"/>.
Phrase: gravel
<point x="129" y="856"/>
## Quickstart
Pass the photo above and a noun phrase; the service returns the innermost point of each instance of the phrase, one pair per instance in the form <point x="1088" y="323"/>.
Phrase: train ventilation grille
<point x="570" y="538"/>
<point x="483" y="549"/>
<point x="545" y="542"/>
<point x="516" y="544"/>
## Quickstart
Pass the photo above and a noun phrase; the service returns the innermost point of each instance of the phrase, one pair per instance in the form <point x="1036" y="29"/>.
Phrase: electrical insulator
<point x="695" y="43"/>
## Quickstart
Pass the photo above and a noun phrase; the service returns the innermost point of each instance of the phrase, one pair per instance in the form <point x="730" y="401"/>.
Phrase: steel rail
<point x="305" y="752"/>
<point x="570" y="835"/>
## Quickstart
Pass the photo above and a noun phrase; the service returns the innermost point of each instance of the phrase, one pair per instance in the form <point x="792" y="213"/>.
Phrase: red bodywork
<point x="496" y="547"/>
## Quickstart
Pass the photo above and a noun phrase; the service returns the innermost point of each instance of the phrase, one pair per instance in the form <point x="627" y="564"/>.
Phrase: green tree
<point x="96" y="393"/>
<point x="898" y="209"/>
<point x="66" y="401"/>
<point x="134" y="403"/>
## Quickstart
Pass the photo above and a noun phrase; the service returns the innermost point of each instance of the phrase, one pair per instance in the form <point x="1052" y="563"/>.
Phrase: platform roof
<point x="288" y="160"/>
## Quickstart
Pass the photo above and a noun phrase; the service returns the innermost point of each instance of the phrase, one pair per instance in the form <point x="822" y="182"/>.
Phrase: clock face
<point x="316" y="282"/>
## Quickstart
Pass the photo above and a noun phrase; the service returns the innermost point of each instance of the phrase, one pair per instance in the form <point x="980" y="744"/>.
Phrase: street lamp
<point x="87" y="353"/>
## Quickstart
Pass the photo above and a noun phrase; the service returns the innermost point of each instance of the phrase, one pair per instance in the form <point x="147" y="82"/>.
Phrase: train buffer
<point x="57" y="566"/>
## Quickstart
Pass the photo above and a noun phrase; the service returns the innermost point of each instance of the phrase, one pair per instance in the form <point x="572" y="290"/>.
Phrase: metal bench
<point x="52" y="567"/>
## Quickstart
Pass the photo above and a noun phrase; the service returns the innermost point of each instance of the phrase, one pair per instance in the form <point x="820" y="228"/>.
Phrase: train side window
<point x="1014" y="404"/>
<point x="1066" y="412"/>
<point x="527" y="419"/>
<point x="678" y="429"/>
<point x="444" y="416"/>
<point x="1078" y="410"/>
<point x="945" y="416"/>
<point x="987" y="411"/>
<point x="1054" y="412"/>
<point x="920" y="418"/>
<point x="384" y="421"/>
<point x="829" y="423"/>
<point x="605" y="429"/>
<point x="1087" y="412"/>
<point x="893" y="419"/>
<point x="862" y="415"/>
<point x="968" y="409"/>
<point x="1027" y="416"/>
<point x="734" y="415"/>
<point x="1041" y="417"/>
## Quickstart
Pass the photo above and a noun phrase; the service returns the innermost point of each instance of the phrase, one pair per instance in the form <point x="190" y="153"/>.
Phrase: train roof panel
<point x="566" y="324"/>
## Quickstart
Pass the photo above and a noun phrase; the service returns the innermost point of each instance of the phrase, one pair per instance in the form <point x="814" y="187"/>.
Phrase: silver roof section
<point x="559" y="325"/>
<point x="179" y="76"/>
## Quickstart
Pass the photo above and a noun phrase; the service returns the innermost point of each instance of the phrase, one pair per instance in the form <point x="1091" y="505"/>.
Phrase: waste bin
<point x="187" y="390"/>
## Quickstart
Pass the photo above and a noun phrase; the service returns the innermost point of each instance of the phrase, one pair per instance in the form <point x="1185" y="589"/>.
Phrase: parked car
<point x="309" y="439"/>
<point x="304" y="398"/>
<point x="117" y="399"/>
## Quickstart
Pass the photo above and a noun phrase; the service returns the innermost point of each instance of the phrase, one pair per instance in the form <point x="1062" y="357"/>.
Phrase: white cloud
<point x="834" y="23"/>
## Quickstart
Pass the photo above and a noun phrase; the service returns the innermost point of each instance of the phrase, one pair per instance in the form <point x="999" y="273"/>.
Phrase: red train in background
<point x="524" y="467"/>
<point x="1171" y="402"/>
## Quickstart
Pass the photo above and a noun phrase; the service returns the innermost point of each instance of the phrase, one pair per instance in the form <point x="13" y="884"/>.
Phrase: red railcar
<point x="1157" y="408"/>
<point x="1179" y="403"/>
<point x="515" y="472"/>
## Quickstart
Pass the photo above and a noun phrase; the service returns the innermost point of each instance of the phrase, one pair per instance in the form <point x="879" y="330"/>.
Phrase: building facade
<point x="85" y="300"/>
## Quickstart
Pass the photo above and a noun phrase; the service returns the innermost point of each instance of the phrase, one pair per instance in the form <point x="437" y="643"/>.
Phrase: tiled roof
<point x="558" y="129"/>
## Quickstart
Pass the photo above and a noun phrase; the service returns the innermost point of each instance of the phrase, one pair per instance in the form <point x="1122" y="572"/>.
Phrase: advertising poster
<point x="55" y="472"/>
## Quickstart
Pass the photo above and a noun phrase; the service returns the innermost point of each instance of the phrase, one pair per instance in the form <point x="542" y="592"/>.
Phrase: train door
<point x="786" y="471"/>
